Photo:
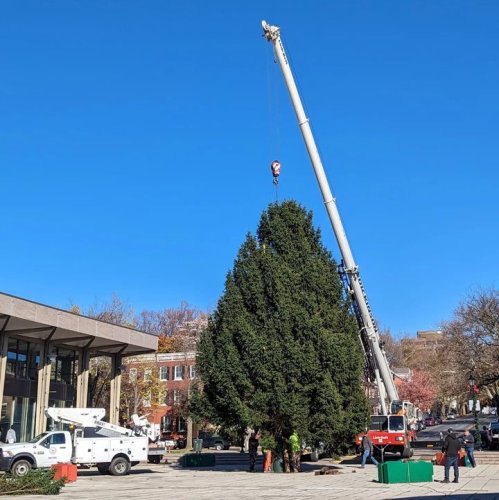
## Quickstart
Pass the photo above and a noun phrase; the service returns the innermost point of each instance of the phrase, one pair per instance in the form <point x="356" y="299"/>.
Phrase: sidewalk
<point x="225" y="482"/>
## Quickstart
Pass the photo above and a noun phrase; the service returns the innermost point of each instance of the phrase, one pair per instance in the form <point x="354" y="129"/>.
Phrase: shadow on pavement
<point x="456" y="496"/>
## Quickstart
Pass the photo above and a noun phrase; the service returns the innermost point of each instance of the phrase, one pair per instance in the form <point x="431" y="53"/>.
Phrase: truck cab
<point x="42" y="451"/>
<point x="390" y="433"/>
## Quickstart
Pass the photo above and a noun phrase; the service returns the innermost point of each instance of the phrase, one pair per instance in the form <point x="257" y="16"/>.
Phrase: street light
<point x="474" y="391"/>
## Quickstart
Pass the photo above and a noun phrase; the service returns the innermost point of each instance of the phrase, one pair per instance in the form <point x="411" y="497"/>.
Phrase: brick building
<point x="171" y="375"/>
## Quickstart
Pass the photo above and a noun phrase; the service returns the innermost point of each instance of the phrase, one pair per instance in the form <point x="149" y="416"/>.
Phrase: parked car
<point x="211" y="440"/>
<point x="451" y="416"/>
<point x="429" y="421"/>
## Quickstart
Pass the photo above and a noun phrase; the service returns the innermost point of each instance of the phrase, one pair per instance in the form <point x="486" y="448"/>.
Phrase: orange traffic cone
<point x="267" y="463"/>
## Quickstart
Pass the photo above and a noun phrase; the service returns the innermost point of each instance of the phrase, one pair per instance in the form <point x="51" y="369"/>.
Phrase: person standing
<point x="294" y="442"/>
<point x="469" y="445"/>
<point x="253" y="449"/>
<point x="451" y="448"/>
<point x="11" y="435"/>
<point x="368" y="450"/>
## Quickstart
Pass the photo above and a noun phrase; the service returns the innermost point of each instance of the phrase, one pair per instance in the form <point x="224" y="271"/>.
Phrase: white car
<point x="451" y="416"/>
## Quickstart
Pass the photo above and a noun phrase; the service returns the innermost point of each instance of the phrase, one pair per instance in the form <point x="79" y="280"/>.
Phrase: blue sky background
<point x="136" y="139"/>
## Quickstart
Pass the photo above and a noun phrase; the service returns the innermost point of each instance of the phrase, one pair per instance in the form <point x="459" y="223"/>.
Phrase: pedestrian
<point x="368" y="450"/>
<point x="486" y="437"/>
<point x="451" y="448"/>
<point x="11" y="435"/>
<point x="294" y="442"/>
<point x="253" y="449"/>
<point x="469" y="446"/>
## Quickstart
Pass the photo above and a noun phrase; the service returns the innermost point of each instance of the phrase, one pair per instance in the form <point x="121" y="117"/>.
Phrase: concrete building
<point x="44" y="361"/>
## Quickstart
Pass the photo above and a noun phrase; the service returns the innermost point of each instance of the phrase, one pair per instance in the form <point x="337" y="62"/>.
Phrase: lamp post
<point x="474" y="391"/>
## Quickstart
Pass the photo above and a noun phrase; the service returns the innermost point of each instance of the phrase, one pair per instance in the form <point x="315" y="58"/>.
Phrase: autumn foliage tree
<point x="419" y="389"/>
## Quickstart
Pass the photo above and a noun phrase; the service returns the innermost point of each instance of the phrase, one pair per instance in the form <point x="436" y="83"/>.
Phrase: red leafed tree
<point x="420" y="390"/>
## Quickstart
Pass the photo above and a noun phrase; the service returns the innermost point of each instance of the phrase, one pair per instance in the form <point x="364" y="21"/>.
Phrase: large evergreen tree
<point x="281" y="351"/>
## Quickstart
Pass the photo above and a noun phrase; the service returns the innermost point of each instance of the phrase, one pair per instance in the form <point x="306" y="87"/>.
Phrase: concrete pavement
<point x="229" y="481"/>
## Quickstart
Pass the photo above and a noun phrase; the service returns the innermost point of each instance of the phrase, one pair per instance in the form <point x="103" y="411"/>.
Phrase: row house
<point x="170" y="376"/>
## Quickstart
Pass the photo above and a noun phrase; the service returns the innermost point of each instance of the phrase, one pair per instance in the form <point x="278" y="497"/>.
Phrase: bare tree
<point x="472" y="340"/>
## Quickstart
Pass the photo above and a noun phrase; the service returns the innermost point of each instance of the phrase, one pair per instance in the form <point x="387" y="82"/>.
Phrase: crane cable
<point x="274" y="132"/>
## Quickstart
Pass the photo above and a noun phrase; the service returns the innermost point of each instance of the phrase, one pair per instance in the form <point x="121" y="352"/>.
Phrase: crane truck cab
<point x="390" y="433"/>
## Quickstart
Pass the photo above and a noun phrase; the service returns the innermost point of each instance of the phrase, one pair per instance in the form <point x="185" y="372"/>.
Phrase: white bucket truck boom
<point x="113" y="449"/>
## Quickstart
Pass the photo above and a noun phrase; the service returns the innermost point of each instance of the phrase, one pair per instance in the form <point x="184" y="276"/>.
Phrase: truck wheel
<point x="120" y="466"/>
<point x="155" y="460"/>
<point x="406" y="452"/>
<point x="20" y="468"/>
<point x="103" y="468"/>
<point x="218" y="446"/>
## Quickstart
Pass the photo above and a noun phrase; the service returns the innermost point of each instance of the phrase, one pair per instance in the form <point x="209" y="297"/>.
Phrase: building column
<point x="82" y="378"/>
<point x="43" y="388"/>
<point x="115" y="386"/>
<point x="4" y="349"/>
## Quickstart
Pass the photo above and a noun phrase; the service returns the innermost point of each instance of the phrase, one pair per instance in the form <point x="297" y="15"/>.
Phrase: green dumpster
<point x="393" y="472"/>
<point x="405" y="472"/>
<point x="197" y="445"/>
<point x="420" y="471"/>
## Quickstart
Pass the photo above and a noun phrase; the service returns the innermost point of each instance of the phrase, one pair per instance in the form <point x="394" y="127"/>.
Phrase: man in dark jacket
<point x="451" y="447"/>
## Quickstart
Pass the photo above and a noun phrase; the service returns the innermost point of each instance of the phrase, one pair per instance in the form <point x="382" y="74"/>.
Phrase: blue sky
<point x="136" y="139"/>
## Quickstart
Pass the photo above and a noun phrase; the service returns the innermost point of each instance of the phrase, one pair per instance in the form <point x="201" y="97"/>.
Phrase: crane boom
<point x="375" y="357"/>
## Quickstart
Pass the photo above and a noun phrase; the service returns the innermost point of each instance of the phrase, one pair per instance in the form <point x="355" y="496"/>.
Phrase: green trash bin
<point x="277" y="465"/>
<point x="197" y="445"/>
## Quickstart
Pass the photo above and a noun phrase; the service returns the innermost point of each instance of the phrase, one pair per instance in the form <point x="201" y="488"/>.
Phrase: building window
<point x="167" y="423"/>
<point x="192" y="372"/>
<point x="132" y="374"/>
<point x="179" y="372"/>
<point x="176" y="397"/>
<point x="163" y="373"/>
<point x="147" y="374"/>
<point x="181" y="424"/>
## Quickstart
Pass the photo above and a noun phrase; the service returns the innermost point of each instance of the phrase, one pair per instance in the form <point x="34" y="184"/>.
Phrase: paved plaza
<point x="230" y="482"/>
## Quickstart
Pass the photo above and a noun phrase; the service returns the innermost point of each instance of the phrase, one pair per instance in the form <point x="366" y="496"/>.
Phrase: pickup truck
<point x="114" y="455"/>
<point x="211" y="440"/>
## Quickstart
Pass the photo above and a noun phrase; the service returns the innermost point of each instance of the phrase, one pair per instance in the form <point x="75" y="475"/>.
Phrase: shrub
<point x="39" y="482"/>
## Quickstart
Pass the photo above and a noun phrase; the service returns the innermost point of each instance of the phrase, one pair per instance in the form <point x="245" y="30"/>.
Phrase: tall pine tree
<point x="281" y="351"/>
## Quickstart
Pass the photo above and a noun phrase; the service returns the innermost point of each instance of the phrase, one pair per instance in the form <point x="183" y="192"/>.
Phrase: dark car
<point x="430" y="421"/>
<point x="211" y="440"/>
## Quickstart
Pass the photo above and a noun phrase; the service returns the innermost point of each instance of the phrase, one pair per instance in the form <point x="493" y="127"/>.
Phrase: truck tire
<point x="156" y="459"/>
<point x="103" y="468"/>
<point x="120" y="466"/>
<point x="219" y="446"/>
<point x="20" y="468"/>
<point x="407" y="452"/>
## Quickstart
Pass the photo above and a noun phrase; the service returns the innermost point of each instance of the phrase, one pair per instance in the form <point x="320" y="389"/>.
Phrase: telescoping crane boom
<point x="376" y="362"/>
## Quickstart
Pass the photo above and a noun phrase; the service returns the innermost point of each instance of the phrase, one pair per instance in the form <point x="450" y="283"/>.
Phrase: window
<point x="179" y="373"/>
<point x="192" y="372"/>
<point x="147" y="374"/>
<point x="176" y="397"/>
<point x="163" y="373"/>
<point x="57" y="439"/>
<point x="132" y="374"/>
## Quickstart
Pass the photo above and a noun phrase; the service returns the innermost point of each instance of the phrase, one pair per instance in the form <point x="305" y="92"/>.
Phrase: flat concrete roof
<point x="34" y="322"/>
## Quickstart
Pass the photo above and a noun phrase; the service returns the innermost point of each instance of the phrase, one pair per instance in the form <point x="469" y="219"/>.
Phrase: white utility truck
<point x="112" y="448"/>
